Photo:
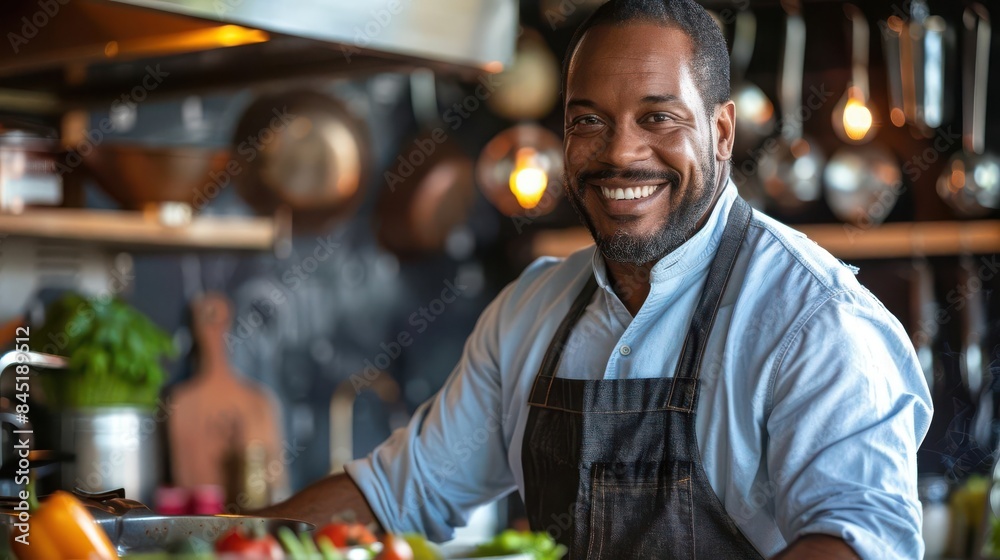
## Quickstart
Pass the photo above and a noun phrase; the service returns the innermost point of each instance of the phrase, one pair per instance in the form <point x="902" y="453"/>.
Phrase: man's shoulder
<point x="794" y="261"/>
<point x="549" y="281"/>
<point x="800" y="279"/>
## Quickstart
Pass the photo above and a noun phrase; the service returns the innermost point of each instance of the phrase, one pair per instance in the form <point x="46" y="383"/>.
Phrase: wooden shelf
<point x="895" y="240"/>
<point x="137" y="230"/>
<point x="906" y="239"/>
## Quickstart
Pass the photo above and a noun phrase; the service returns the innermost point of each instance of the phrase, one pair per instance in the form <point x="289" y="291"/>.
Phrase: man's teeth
<point x="630" y="193"/>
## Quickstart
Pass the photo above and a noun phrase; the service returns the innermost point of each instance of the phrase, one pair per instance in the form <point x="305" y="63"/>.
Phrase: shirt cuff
<point x="865" y="544"/>
<point x="362" y="472"/>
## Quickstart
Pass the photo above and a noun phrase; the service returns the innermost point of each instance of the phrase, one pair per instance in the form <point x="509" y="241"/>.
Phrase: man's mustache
<point x="648" y="176"/>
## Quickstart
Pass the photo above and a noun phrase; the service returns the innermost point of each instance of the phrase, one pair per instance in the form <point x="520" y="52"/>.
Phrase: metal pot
<point x="144" y="177"/>
<point x="28" y="166"/>
<point x="114" y="447"/>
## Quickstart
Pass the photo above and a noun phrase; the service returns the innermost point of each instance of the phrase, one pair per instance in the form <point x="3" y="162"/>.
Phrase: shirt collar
<point x="692" y="253"/>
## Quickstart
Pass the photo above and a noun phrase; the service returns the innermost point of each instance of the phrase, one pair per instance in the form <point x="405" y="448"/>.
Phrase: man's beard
<point x="679" y="226"/>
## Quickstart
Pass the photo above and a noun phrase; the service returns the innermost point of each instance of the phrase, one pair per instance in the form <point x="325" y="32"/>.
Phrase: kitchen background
<point x="359" y="181"/>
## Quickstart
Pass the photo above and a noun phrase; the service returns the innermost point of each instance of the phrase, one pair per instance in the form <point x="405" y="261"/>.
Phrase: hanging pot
<point x="418" y="210"/>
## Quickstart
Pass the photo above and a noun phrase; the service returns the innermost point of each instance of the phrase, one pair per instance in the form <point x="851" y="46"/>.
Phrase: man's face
<point x="641" y="150"/>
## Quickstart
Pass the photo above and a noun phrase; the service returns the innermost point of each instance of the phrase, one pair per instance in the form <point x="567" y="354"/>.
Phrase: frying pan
<point x="304" y="151"/>
<point x="417" y="214"/>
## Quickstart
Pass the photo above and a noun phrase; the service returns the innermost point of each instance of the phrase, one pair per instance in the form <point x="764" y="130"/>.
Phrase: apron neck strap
<point x="683" y="393"/>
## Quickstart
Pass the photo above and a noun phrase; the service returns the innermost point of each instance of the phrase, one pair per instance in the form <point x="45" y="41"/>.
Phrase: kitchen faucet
<point x="32" y="359"/>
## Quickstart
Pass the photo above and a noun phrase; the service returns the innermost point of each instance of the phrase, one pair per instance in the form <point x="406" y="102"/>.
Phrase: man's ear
<point x="725" y="129"/>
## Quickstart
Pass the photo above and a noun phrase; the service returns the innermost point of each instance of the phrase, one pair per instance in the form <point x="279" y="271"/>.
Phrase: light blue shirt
<point x="812" y="400"/>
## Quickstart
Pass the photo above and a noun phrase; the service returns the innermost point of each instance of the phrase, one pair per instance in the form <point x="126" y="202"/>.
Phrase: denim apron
<point x="612" y="467"/>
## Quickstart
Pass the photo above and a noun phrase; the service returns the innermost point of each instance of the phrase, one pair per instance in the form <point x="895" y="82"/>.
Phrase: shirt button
<point x="625" y="350"/>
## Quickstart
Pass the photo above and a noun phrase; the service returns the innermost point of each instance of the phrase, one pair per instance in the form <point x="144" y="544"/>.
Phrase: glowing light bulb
<point x="857" y="119"/>
<point x="528" y="180"/>
<point x="234" y="35"/>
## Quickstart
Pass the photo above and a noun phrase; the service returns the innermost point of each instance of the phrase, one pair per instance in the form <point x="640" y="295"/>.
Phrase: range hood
<point x="80" y="50"/>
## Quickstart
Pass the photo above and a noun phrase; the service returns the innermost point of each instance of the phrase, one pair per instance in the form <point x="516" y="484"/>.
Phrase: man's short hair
<point x="711" y="56"/>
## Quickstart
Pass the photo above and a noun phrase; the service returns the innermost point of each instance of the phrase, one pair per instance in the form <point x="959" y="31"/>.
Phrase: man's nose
<point x="623" y="146"/>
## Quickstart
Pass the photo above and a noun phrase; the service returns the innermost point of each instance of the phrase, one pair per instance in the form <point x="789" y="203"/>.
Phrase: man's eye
<point x="588" y="121"/>
<point x="659" y="118"/>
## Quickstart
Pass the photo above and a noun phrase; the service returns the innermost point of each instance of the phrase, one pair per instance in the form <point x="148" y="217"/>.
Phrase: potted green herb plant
<point x="107" y="399"/>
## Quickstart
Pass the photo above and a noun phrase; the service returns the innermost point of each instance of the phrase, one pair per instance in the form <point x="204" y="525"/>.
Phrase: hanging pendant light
<point x="520" y="171"/>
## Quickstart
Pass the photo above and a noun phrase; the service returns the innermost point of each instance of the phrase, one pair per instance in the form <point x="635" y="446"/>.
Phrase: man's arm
<point x="330" y="497"/>
<point x="451" y="457"/>
<point x="818" y="547"/>
<point x="849" y="407"/>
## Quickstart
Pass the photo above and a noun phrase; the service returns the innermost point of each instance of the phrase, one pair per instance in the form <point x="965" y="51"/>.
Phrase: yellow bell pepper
<point x="62" y="529"/>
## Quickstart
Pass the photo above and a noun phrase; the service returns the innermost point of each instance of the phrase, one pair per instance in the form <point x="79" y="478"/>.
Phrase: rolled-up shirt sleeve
<point x="850" y="406"/>
<point x="429" y="476"/>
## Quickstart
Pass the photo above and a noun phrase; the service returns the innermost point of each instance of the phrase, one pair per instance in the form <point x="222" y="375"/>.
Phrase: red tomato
<point x="237" y="541"/>
<point x="394" y="548"/>
<point x="343" y="535"/>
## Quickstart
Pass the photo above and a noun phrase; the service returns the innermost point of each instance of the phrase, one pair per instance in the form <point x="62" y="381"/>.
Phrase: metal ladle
<point x="970" y="183"/>
<point x="754" y="111"/>
<point x="853" y="118"/>
<point x="923" y="46"/>
<point x="791" y="170"/>
<point x="859" y="182"/>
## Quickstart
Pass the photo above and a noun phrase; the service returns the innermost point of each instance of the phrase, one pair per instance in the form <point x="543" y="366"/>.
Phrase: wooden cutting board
<point x="218" y="411"/>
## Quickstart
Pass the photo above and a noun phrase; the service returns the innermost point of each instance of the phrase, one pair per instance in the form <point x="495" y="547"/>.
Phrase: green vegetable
<point x="114" y="353"/>
<point x="309" y="546"/>
<point x="329" y="551"/>
<point x="422" y="548"/>
<point x="192" y="548"/>
<point x="293" y="546"/>
<point x="540" y="545"/>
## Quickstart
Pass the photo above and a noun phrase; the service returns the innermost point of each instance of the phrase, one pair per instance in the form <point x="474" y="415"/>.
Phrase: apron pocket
<point x="636" y="514"/>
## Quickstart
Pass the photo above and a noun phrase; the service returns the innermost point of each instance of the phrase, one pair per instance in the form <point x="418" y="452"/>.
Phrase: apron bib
<point x="612" y="467"/>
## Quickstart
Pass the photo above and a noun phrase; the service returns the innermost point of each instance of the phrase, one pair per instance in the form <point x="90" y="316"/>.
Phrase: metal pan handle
<point x="976" y="68"/>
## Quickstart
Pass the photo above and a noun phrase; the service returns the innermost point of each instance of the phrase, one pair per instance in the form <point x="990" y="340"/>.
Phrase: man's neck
<point x="631" y="281"/>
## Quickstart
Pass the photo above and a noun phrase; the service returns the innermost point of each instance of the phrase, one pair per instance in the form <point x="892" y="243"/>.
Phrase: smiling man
<point x="706" y="383"/>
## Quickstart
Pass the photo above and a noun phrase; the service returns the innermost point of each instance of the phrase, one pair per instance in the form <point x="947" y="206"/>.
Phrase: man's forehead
<point x="633" y="43"/>
<point x="634" y="56"/>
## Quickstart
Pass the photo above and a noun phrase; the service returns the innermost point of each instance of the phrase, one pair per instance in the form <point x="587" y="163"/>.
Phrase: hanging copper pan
<point x="304" y="151"/>
<point x="416" y="214"/>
